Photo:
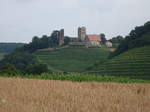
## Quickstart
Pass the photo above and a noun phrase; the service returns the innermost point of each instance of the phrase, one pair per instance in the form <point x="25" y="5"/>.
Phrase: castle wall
<point x="61" y="37"/>
<point x="82" y="33"/>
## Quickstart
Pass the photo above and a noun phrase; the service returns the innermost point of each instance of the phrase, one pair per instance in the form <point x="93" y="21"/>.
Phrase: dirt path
<point x="26" y="95"/>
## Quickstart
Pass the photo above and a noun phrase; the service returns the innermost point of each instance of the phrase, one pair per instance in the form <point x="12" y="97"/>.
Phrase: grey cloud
<point x="20" y="20"/>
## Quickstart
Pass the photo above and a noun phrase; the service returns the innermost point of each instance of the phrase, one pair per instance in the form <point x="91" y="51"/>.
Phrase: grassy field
<point x="29" y="95"/>
<point x="81" y="78"/>
<point x="135" y="62"/>
<point x="73" y="59"/>
<point x="1" y="55"/>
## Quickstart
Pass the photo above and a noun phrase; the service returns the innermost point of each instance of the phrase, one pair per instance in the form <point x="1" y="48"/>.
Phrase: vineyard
<point x="73" y="59"/>
<point x="135" y="62"/>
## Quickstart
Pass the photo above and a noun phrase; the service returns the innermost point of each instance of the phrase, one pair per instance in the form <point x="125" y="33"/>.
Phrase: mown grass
<point x="81" y="78"/>
<point x="73" y="59"/>
<point x="135" y="62"/>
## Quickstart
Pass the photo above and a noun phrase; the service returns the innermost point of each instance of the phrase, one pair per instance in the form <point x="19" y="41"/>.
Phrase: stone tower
<point x="61" y="37"/>
<point x="82" y="33"/>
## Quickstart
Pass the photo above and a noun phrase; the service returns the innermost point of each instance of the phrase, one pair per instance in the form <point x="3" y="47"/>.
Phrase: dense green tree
<point x="9" y="69"/>
<point x="103" y="38"/>
<point x="36" y="68"/>
<point x="138" y="37"/>
<point x="117" y="40"/>
<point x="66" y="40"/>
<point x="19" y="59"/>
<point x="54" y="38"/>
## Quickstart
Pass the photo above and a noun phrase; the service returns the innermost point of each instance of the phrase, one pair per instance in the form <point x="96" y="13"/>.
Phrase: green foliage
<point x="9" y="69"/>
<point x="73" y="59"/>
<point x="36" y="68"/>
<point x="134" y="63"/>
<point x="103" y="38"/>
<point x="66" y="40"/>
<point x="19" y="59"/>
<point x="54" y="39"/>
<point x="83" y="78"/>
<point x="116" y="41"/>
<point x="138" y="37"/>
<point x="37" y="43"/>
<point x="9" y="47"/>
<point x="2" y="55"/>
<point x="42" y="43"/>
<point x="22" y="61"/>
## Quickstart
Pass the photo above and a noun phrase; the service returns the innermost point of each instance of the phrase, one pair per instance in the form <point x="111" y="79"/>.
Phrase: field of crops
<point x="28" y="95"/>
<point x="134" y="62"/>
<point x="73" y="59"/>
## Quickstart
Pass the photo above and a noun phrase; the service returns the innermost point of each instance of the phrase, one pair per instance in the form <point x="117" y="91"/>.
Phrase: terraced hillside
<point x="135" y="62"/>
<point x="73" y="59"/>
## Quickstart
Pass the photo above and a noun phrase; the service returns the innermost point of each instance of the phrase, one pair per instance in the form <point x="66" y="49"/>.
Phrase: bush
<point x="9" y="70"/>
<point x="37" y="69"/>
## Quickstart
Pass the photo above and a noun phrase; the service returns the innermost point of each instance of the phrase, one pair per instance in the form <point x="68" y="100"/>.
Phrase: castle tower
<point x="61" y="37"/>
<point x="82" y="33"/>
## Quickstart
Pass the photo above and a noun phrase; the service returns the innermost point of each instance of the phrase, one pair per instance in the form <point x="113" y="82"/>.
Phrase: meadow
<point x="73" y="59"/>
<point x="30" y="95"/>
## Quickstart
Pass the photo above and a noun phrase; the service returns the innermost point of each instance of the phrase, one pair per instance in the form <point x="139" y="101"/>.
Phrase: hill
<point x="73" y="59"/>
<point x="138" y="37"/>
<point x="135" y="62"/>
<point x="9" y="47"/>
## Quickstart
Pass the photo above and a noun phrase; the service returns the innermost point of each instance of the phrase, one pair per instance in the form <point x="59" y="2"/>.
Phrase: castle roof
<point x="94" y="37"/>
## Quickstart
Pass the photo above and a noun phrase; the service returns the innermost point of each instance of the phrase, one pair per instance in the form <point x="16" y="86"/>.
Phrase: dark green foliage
<point x="2" y="55"/>
<point x="66" y="40"/>
<point x="19" y="59"/>
<point x="116" y="40"/>
<point x="36" y="68"/>
<point x="24" y="62"/>
<point x="138" y="37"/>
<point x="103" y="38"/>
<point x="9" y="69"/>
<point x="37" y="43"/>
<point x="133" y="63"/>
<point x="54" y="39"/>
<point x="42" y="43"/>
<point x="9" y="47"/>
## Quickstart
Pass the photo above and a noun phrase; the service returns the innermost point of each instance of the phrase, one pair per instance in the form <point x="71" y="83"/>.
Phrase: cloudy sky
<point x="20" y="20"/>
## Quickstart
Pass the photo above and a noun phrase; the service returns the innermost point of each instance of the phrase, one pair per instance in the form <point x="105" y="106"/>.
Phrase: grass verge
<point x="81" y="78"/>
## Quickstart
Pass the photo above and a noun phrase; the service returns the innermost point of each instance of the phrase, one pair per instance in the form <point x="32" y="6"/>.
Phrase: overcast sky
<point x="20" y="20"/>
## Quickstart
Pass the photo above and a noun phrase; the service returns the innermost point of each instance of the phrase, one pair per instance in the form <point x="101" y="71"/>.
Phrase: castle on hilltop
<point x="84" y="39"/>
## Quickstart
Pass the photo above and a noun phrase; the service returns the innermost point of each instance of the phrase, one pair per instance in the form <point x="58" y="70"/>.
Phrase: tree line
<point x="22" y="60"/>
<point x="138" y="37"/>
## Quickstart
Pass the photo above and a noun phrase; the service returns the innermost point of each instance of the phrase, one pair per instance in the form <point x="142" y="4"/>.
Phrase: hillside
<point x="9" y="47"/>
<point x="135" y="62"/>
<point x="138" y="37"/>
<point x="73" y="59"/>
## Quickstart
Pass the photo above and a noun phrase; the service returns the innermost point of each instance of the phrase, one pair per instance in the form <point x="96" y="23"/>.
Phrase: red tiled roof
<point x="94" y="37"/>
